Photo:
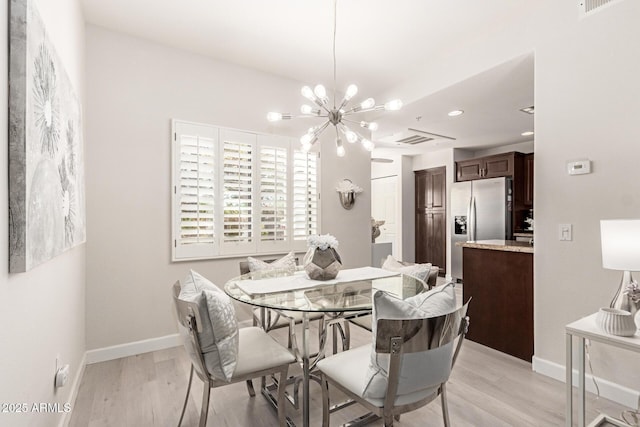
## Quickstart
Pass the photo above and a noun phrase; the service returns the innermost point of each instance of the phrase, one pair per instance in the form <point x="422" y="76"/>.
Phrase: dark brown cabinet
<point x="487" y="167"/>
<point x="528" y="179"/>
<point x="500" y="284"/>
<point x="431" y="219"/>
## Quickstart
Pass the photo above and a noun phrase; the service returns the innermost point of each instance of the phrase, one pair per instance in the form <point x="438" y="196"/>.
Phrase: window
<point x="240" y="193"/>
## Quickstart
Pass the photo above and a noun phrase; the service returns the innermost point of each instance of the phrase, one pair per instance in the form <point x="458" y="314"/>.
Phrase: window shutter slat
<point x="305" y="195"/>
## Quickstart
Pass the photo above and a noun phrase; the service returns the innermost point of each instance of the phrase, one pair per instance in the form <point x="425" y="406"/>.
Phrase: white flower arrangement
<point x="346" y="186"/>
<point x="322" y="241"/>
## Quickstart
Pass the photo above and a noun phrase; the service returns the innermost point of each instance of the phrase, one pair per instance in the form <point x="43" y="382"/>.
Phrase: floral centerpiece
<point x="632" y="291"/>
<point x="322" y="261"/>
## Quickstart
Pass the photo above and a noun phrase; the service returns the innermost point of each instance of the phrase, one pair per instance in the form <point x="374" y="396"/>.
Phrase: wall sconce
<point x="347" y="191"/>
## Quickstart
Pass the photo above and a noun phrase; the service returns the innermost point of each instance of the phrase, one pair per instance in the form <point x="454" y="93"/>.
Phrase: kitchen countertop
<point x="498" y="245"/>
<point x="523" y="234"/>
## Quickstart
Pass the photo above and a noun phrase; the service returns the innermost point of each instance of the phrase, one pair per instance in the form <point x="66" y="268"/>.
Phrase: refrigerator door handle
<point x="472" y="219"/>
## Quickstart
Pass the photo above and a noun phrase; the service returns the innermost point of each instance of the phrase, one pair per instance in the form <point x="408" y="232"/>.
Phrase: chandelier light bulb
<point x="339" y="148"/>
<point x="367" y="103"/>
<point x="306" y="139"/>
<point x="351" y="136"/>
<point x="394" y="105"/>
<point x="373" y="126"/>
<point x="306" y="147"/>
<point x="320" y="91"/>
<point x="274" y="117"/>
<point x="308" y="93"/>
<point x="368" y="145"/>
<point x="352" y="90"/>
<point x="306" y="109"/>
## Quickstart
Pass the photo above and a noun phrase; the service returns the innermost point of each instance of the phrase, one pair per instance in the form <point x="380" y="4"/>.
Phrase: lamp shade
<point x="620" y="244"/>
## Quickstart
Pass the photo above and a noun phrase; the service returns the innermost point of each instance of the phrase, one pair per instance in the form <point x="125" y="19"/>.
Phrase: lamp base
<point x="621" y="300"/>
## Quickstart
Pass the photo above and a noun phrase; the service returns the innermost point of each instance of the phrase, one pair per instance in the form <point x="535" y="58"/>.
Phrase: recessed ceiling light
<point x="527" y="133"/>
<point x="455" y="113"/>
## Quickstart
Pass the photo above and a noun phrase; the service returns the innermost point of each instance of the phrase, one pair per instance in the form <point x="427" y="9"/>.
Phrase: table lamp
<point x="621" y="251"/>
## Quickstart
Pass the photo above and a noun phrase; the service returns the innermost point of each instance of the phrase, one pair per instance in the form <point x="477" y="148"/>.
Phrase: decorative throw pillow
<point x="219" y="336"/>
<point x="419" y="271"/>
<point x="286" y="262"/>
<point x="415" y="375"/>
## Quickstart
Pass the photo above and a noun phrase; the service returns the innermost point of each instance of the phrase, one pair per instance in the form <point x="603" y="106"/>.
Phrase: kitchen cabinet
<point x="528" y="179"/>
<point x="431" y="218"/>
<point x="500" y="283"/>
<point x="488" y="167"/>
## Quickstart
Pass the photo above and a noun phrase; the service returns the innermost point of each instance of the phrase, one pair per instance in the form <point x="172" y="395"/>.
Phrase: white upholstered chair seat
<point x="259" y="351"/>
<point x="350" y="368"/>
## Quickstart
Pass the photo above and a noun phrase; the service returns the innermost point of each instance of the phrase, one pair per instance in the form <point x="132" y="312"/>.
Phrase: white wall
<point x="587" y="103"/>
<point x="134" y="88"/>
<point x="42" y="312"/>
<point x="587" y="106"/>
<point x="521" y="147"/>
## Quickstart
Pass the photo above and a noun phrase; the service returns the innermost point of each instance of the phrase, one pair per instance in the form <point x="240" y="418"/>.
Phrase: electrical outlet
<point x="565" y="232"/>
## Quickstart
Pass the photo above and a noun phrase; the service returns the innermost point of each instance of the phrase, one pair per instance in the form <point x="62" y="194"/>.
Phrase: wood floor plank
<point x="487" y="388"/>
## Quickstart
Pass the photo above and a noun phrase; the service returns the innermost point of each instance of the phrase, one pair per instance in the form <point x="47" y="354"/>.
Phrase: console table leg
<point x="569" y="381"/>
<point x="581" y="389"/>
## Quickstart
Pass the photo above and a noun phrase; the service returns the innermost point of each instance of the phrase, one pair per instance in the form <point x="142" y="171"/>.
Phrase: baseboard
<point x="609" y="390"/>
<point x="66" y="417"/>
<point x="132" y="348"/>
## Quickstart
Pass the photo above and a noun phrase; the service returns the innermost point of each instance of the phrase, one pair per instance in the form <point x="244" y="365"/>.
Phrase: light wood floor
<point x="487" y="388"/>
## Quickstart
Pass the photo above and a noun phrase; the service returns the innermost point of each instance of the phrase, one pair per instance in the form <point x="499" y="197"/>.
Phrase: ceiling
<point x="379" y="44"/>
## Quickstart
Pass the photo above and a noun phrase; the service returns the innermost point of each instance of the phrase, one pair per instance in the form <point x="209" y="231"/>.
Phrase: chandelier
<point x="336" y="115"/>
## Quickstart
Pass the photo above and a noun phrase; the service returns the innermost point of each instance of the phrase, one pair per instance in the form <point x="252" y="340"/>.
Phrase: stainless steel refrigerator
<point x="480" y="210"/>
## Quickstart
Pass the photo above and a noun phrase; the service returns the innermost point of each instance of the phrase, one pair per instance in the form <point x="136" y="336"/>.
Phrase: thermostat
<point x="579" y="167"/>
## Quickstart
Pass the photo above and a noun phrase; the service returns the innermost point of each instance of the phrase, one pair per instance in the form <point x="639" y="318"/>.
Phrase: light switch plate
<point x="579" y="167"/>
<point x="565" y="232"/>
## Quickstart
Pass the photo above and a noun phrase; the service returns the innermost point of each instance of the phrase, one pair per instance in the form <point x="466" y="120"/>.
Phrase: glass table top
<point x="322" y="297"/>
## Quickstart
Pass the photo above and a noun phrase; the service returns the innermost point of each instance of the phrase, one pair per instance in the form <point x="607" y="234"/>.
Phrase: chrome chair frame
<point x="189" y="317"/>
<point x="398" y="337"/>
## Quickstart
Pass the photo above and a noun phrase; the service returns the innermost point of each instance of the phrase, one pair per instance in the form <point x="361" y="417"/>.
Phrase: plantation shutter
<point x="274" y="193"/>
<point x="305" y="196"/>
<point x="238" y="153"/>
<point x="194" y="172"/>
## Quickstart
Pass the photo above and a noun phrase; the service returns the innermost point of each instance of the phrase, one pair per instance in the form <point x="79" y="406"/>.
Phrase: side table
<point x="584" y="329"/>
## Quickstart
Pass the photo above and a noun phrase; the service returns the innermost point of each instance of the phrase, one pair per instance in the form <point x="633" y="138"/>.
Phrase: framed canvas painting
<point x="46" y="171"/>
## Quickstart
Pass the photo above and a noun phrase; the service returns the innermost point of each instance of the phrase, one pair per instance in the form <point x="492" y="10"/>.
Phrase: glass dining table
<point x="347" y="296"/>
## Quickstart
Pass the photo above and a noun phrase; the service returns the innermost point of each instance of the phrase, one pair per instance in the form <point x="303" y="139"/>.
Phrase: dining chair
<point x="364" y="322"/>
<point x="258" y="355"/>
<point x="420" y="352"/>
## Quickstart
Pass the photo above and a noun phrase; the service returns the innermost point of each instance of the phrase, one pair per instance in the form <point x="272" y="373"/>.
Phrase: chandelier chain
<point x="335" y="14"/>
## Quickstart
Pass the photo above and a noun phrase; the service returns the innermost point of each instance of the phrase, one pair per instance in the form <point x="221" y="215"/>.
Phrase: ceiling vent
<point x="414" y="136"/>
<point x="589" y="7"/>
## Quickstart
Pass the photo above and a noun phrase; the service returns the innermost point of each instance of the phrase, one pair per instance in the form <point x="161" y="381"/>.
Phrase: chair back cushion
<point x="419" y="271"/>
<point x="420" y="370"/>
<point x="219" y="335"/>
<point x="286" y="262"/>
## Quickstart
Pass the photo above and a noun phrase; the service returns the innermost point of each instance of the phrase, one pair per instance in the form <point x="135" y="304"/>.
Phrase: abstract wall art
<point x="46" y="170"/>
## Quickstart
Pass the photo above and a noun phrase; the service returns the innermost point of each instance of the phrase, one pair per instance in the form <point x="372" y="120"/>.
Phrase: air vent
<point x="413" y="136"/>
<point x="415" y="139"/>
<point x="589" y="7"/>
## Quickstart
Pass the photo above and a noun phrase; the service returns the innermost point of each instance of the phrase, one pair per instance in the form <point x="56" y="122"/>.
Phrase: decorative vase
<point x="322" y="264"/>
<point x="616" y="322"/>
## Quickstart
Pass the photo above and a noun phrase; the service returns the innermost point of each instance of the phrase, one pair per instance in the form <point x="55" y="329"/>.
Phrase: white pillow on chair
<point x="420" y="271"/>
<point x="414" y="375"/>
<point x="219" y="336"/>
<point x="287" y="262"/>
